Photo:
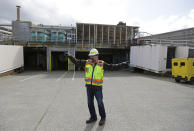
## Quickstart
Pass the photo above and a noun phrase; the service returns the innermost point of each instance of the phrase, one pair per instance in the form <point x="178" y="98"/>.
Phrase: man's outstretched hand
<point x="66" y="54"/>
<point x="126" y="62"/>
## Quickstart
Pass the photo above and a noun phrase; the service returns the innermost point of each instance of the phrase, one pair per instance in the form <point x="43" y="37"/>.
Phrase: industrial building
<point x="184" y="34"/>
<point x="178" y="37"/>
<point x="43" y="99"/>
<point x="45" y="45"/>
<point x="5" y="34"/>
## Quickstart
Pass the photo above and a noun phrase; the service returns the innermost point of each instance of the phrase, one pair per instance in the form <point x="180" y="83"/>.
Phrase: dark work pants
<point x="97" y="92"/>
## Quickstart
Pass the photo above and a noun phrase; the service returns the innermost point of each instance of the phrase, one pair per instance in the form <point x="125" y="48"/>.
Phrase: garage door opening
<point x="170" y="56"/>
<point x="34" y="58"/>
<point x="191" y="53"/>
<point x="59" y="61"/>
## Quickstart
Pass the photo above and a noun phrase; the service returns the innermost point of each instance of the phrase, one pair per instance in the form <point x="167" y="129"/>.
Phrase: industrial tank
<point x="61" y="37"/>
<point x="42" y="37"/>
<point x="53" y="37"/>
<point x="33" y="36"/>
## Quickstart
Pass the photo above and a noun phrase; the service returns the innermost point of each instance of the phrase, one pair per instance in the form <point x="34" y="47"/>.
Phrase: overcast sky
<point x="153" y="16"/>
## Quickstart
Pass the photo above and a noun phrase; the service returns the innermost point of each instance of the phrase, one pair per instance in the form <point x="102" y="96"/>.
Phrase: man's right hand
<point x="66" y="54"/>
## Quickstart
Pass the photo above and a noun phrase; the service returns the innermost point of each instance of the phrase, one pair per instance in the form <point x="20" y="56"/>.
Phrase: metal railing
<point x="46" y="40"/>
<point x="73" y="44"/>
<point x="165" y="41"/>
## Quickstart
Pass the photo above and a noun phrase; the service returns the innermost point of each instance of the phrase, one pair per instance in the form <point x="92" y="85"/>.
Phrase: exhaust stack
<point x="18" y="13"/>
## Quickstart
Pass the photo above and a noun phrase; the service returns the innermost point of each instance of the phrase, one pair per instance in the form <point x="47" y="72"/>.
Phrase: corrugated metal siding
<point x="21" y="31"/>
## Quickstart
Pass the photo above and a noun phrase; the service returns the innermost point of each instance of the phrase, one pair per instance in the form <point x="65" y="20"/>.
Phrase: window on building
<point x="182" y="63"/>
<point x="175" y="63"/>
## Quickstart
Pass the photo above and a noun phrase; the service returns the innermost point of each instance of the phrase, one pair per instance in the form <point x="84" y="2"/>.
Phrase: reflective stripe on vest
<point x="97" y="73"/>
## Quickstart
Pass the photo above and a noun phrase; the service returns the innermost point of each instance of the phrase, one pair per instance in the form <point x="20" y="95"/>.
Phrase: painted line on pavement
<point x="63" y="75"/>
<point x="73" y="75"/>
<point x="29" y="78"/>
<point x="46" y="111"/>
<point x="106" y="78"/>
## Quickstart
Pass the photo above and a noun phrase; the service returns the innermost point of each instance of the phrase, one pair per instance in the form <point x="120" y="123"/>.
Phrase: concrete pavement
<point x="56" y="101"/>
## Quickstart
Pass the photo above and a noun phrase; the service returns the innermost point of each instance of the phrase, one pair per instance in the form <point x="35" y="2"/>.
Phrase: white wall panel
<point x="11" y="57"/>
<point x="149" y="57"/>
<point x="182" y="51"/>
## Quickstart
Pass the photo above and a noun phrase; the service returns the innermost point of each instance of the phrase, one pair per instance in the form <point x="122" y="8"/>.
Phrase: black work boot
<point x="102" y="121"/>
<point x="91" y="120"/>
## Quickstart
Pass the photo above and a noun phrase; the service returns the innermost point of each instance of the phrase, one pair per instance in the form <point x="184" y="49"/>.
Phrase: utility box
<point x="183" y="69"/>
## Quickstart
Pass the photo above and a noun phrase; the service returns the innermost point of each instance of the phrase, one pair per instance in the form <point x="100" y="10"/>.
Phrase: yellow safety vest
<point x="98" y="71"/>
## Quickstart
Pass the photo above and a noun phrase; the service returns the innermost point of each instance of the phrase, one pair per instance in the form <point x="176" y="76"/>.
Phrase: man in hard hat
<point x="94" y="70"/>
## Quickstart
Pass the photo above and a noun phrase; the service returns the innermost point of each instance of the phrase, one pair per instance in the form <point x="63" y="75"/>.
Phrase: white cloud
<point x="67" y="12"/>
<point x="45" y="12"/>
<point x="168" y="23"/>
<point x="149" y="16"/>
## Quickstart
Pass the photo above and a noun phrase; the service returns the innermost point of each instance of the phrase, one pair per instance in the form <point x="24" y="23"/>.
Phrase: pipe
<point x="18" y="13"/>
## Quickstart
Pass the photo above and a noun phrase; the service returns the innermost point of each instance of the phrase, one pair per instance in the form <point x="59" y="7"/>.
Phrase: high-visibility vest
<point x="97" y="77"/>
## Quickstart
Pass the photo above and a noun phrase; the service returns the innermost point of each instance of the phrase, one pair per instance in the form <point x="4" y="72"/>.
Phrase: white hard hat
<point x="93" y="52"/>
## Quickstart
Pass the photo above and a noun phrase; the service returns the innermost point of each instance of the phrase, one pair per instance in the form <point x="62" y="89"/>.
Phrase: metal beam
<point x="131" y="35"/>
<point x="5" y="25"/>
<point x="82" y="35"/>
<point x="57" y="34"/>
<point x="114" y="34"/>
<point x="89" y="34"/>
<point x="76" y="35"/>
<point x="36" y="35"/>
<point x="48" y="52"/>
<point x="108" y="34"/>
<point x="120" y="34"/>
<point x="96" y="33"/>
<point x="126" y="37"/>
<point x="102" y="34"/>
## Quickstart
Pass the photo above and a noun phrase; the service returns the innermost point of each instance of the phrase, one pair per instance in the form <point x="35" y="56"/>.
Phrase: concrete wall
<point x="11" y="57"/>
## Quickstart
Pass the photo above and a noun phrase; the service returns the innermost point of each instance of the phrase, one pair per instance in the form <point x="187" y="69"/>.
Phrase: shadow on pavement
<point x="89" y="127"/>
<point x="100" y="128"/>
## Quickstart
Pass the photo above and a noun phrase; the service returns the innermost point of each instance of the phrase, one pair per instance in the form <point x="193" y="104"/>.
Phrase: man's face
<point x="94" y="58"/>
